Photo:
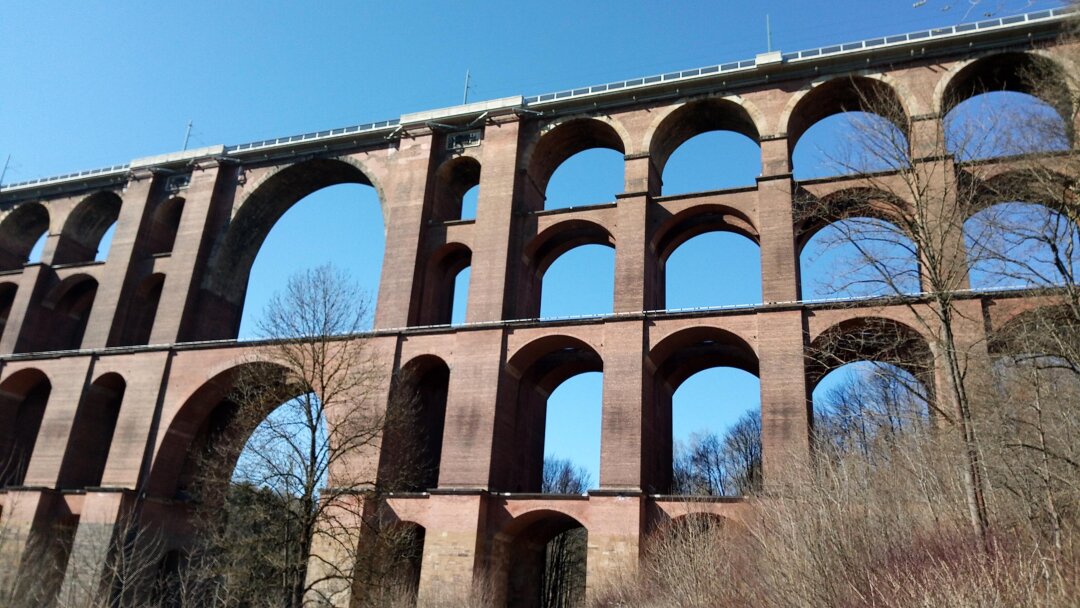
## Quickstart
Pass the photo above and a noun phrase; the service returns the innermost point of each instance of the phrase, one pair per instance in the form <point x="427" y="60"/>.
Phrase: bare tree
<point x="563" y="581"/>
<point x="714" y="465"/>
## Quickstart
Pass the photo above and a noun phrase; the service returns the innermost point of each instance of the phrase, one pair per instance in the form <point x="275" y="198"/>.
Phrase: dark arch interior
<point x="870" y="339"/>
<point x="19" y="231"/>
<point x="92" y="431"/>
<point x="7" y="298"/>
<point x="65" y="310"/>
<point x="87" y="223"/>
<point x="453" y="180"/>
<point x="532" y="374"/>
<point x="23" y="398"/>
<point x="164" y="225"/>
<point x="440" y="284"/>
<point x="1016" y="72"/>
<point x="413" y="437"/>
<point x="141" y="311"/>
<point x="545" y="561"/>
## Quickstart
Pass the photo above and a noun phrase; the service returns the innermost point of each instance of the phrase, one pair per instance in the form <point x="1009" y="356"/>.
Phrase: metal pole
<point x="768" y="34"/>
<point x="465" y="97"/>
<point x="4" y="171"/>
<point x="187" y="135"/>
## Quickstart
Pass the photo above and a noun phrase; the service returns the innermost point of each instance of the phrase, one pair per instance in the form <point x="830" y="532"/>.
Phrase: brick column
<point x="493" y="234"/>
<point x="57" y="422"/>
<point x="194" y="237"/>
<point x="472" y="412"/>
<point x="776" y="226"/>
<point x="137" y="431"/>
<point x="104" y="522"/>
<point x="785" y="422"/>
<point x="623" y="433"/>
<point x="636" y="266"/>
<point x="116" y="278"/>
<point x="615" y="531"/>
<point x="452" y="544"/>
<point x="404" y="190"/>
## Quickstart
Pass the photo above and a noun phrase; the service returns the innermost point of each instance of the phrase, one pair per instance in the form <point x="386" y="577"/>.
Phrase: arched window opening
<point x="849" y="143"/>
<point x="1003" y="123"/>
<point x="70" y="303"/>
<point x="712" y="161"/>
<point x="92" y="431"/>
<point x="416" y="417"/>
<point x="545" y="561"/>
<point x="677" y="359"/>
<point x="339" y="224"/>
<point x="579" y="282"/>
<point x="694" y="279"/>
<point x="590" y="177"/>
<point x="1021" y="245"/>
<point x="7" y="299"/>
<point x="164" y="225"/>
<point x="141" y="312"/>
<point x="23" y="397"/>
<point x="858" y="257"/>
<point x="23" y="233"/>
<point x="572" y="435"/>
<point x="859" y="405"/>
<point x="716" y="427"/>
<point x="83" y="237"/>
<point x="446" y="286"/>
<point x="533" y="375"/>
<point x="457" y="184"/>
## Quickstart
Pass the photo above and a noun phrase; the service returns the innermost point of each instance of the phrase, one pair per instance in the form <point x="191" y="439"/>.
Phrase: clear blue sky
<point x="88" y="84"/>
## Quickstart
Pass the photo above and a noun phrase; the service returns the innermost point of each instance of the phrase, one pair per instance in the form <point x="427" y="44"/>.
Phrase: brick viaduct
<point x="108" y="370"/>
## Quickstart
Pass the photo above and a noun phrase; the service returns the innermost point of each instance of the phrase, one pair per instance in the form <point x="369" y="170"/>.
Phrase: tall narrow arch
<point x="545" y="248"/>
<point x="66" y="310"/>
<point x="416" y="416"/>
<point x="23" y="398"/>
<point x="7" y="299"/>
<point x="440" y="279"/>
<point x="531" y="375"/>
<point x="453" y="179"/>
<point x="140" y="312"/>
<point x="92" y="431"/>
<point x="164" y="225"/>
<point x="524" y="574"/>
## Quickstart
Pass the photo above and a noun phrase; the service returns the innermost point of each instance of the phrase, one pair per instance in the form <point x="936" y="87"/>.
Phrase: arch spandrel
<point x="879" y="337"/>
<point x="670" y="230"/>
<point x="817" y="208"/>
<point x="560" y="237"/>
<point x="1005" y="71"/>
<point x="555" y="142"/>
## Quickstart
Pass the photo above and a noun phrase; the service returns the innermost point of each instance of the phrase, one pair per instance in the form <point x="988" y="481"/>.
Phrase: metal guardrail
<point x="645" y="81"/>
<point x="817" y="53"/>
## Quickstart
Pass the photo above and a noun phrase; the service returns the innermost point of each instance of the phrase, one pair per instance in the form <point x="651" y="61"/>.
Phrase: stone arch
<point x="453" y="179"/>
<point x="559" y="141"/>
<point x="164" y="225"/>
<point x="876" y="339"/>
<point x="23" y="398"/>
<point x="68" y="304"/>
<point x="20" y="229"/>
<point x="225" y="282"/>
<point x="1043" y="187"/>
<point x="443" y="267"/>
<point x="674" y="359"/>
<point x="701" y="116"/>
<point x="141" y="311"/>
<point x="417" y="412"/>
<point x="1010" y="71"/>
<point x="531" y="374"/>
<point x="92" y="431"/>
<point x="844" y="204"/>
<point x="545" y="248"/>
<point x="518" y="557"/>
<point x="84" y="227"/>
<point x="200" y="419"/>
<point x="865" y="93"/>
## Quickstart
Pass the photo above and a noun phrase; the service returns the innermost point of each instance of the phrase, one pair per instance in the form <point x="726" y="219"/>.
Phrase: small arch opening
<point x="164" y="225"/>
<point x="23" y="398"/>
<point x="590" y="177"/>
<point x="580" y="281"/>
<point x="1003" y="123"/>
<point x="83" y="237"/>
<point x="412" y="443"/>
<point x="857" y="257"/>
<point x="23" y="233"/>
<point x="850" y="143"/>
<point x="543" y="558"/>
<point x="714" y="160"/>
<point x="692" y="277"/>
<point x="457" y="187"/>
